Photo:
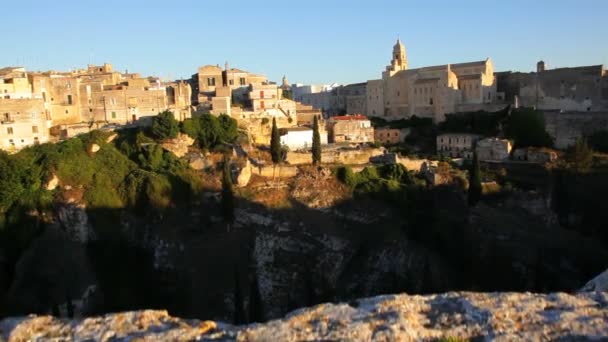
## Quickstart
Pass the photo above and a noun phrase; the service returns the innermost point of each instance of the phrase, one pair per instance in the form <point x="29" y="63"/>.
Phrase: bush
<point x="210" y="131"/>
<point x="346" y="175"/>
<point x="164" y="126"/>
<point x="527" y="128"/>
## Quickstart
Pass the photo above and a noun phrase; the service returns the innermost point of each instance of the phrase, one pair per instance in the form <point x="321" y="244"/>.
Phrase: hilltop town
<point x="231" y="197"/>
<point x="40" y="107"/>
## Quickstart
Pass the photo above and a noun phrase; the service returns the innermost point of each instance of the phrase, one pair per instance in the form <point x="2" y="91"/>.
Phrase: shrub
<point x="527" y="128"/>
<point x="210" y="131"/>
<point x="164" y="126"/>
<point x="346" y="175"/>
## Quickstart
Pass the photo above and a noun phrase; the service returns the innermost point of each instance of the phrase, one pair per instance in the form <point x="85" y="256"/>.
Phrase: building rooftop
<point x="350" y="117"/>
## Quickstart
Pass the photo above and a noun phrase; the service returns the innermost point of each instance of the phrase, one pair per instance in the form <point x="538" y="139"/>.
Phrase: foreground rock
<point x="499" y="317"/>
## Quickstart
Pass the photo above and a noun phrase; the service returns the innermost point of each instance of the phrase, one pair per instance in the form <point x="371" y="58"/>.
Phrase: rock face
<point x="179" y="145"/>
<point x="491" y="316"/>
<point x="599" y="283"/>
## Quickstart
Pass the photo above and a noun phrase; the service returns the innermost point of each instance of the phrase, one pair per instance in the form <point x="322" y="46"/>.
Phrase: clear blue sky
<point x="316" y="41"/>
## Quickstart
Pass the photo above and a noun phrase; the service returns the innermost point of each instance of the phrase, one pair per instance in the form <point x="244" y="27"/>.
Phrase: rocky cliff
<point x="455" y="316"/>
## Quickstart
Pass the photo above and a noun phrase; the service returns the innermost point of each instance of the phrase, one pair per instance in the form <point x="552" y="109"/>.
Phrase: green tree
<point x="580" y="156"/>
<point x="164" y="126"/>
<point x="316" y="142"/>
<point x="11" y="186"/>
<point x="275" y="143"/>
<point x="527" y="128"/>
<point x="228" y="128"/>
<point x="227" y="194"/>
<point x="474" y="181"/>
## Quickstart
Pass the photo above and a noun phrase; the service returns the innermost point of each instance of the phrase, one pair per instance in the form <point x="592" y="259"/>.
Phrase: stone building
<point x="350" y="128"/>
<point x="14" y="83"/>
<point x="23" y="122"/>
<point x="540" y="155"/>
<point x="306" y="114"/>
<point x="577" y="89"/>
<point x="97" y="94"/>
<point x="431" y="91"/>
<point x="296" y="138"/>
<point x="389" y="136"/>
<point x="493" y="149"/>
<point x="337" y="100"/>
<point x="456" y="145"/>
<point x="209" y="78"/>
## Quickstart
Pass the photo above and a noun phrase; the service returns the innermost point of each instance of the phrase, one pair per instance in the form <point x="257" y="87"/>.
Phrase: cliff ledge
<point x="466" y="315"/>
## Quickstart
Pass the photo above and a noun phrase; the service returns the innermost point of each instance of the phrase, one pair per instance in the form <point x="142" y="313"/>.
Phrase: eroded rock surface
<point x="492" y="316"/>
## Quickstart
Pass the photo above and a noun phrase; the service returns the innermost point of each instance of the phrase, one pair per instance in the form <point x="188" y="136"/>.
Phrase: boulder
<point x="94" y="148"/>
<point x="599" y="283"/>
<point x="179" y="145"/>
<point x="243" y="175"/>
<point x="111" y="138"/>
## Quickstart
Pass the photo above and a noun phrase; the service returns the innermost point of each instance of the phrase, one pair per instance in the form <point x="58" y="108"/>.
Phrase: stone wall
<point x="337" y="156"/>
<point x="565" y="128"/>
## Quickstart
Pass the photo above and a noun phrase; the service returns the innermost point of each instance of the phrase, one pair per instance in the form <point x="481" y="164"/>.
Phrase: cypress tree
<point x="239" y="312"/>
<point x="316" y="142"/>
<point x="227" y="195"/>
<point x="256" y="310"/>
<point x="275" y="143"/>
<point x="474" y="181"/>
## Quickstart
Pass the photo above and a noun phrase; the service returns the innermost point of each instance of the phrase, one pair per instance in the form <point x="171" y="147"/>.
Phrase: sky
<point x="312" y="42"/>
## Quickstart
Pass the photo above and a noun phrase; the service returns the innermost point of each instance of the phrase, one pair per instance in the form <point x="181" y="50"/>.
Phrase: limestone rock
<point x="52" y="183"/>
<point x="244" y="175"/>
<point x="464" y="315"/>
<point x="599" y="283"/>
<point x="94" y="148"/>
<point x="179" y="145"/>
<point x="111" y="138"/>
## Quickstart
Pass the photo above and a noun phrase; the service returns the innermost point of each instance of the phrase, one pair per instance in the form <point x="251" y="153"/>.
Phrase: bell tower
<point x="399" y="58"/>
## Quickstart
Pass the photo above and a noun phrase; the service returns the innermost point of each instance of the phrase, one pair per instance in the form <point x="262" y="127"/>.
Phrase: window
<point x="36" y="141"/>
<point x="242" y="81"/>
<point x="67" y="111"/>
<point x="90" y="110"/>
<point x="9" y="130"/>
<point x="69" y="99"/>
<point x="431" y="101"/>
<point x="12" y="142"/>
<point x="34" y="129"/>
<point x="6" y="117"/>
<point x="211" y="81"/>
<point x="262" y="104"/>
<point x="113" y="101"/>
<point x="231" y="82"/>
<point x="113" y="115"/>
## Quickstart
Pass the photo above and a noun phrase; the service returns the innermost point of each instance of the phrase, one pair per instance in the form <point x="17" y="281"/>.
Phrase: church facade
<point x="430" y="92"/>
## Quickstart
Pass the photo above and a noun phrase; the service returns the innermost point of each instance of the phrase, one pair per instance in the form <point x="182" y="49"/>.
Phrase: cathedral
<point x="430" y="92"/>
